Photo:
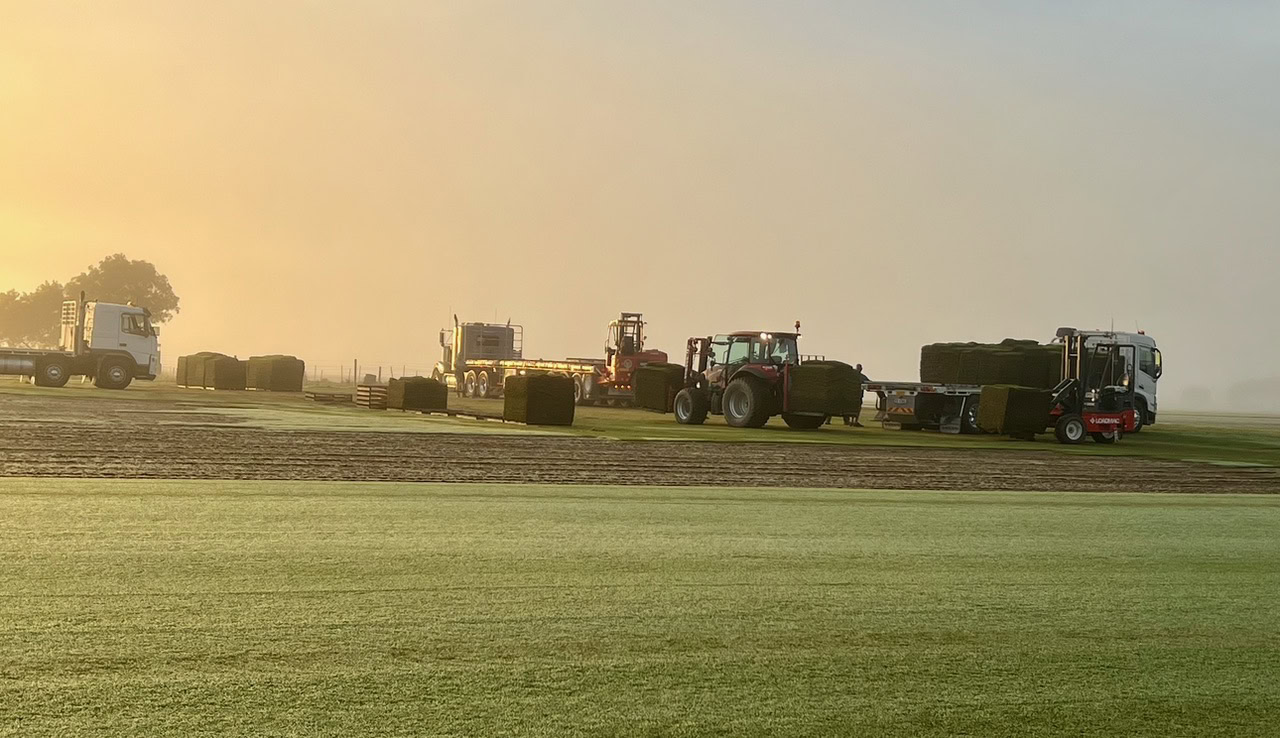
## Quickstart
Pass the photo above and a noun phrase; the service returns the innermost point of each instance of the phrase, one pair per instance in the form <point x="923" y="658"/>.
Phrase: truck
<point x="953" y="408"/>
<point x="108" y="343"/>
<point x="478" y="357"/>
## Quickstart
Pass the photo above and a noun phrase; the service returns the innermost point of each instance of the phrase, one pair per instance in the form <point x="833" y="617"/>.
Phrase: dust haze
<point x="334" y="180"/>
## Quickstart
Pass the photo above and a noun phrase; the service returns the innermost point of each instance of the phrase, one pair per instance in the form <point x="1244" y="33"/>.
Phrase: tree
<point x="118" y="279"/>
<point x="32" y="318"/>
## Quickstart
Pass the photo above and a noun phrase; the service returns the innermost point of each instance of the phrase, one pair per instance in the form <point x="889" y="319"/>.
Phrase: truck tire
<point x="969" y="417"/>
<point x="483" y="388"/>
<point x="1070" y="429"/>
<point x="804" y="422"/>
<point x="691" y="406"/>
<point x="746" y="403"/>
<point x="579" y="392"/>
<point x="53" y="372"/>
<point x="1107" y="437"/>
<point x="1140" y="415"/>
<point x="113" y="374"/>
<point x="469" y="384"/>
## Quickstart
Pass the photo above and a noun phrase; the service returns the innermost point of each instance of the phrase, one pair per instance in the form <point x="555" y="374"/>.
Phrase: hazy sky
<point x="333" y="179"/>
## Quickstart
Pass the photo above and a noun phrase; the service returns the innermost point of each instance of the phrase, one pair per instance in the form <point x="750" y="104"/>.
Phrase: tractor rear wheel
<point x="746" y="403"/>
<point x="1070" y="429"/>
<point x="804" y="422"/>
<point x="691" y="406"/>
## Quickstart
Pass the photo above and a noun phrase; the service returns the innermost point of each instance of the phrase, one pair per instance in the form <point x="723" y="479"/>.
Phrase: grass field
<point x="163" y="608"/>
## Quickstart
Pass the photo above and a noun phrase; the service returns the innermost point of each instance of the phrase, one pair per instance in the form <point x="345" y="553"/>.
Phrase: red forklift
<point x="1097" y="395"/>
<point x="743" y="376"/>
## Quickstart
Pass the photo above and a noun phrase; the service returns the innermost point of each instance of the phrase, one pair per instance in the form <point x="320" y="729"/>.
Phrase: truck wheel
<point x="113" y="374"/>
<point x="1107" y="436"/>
<point x="804" y="422"/>
<point x="482" y="384"/>
<point x="53" y="372"/>
<point x="746" y="403"/>
<point x="1140" y="415"/>
<point x="469" y="385"/>
<point x="969" y="418"/>
<point x="691" y="406"/>
<point x="1070" y="429"/>
<point x="579" y="394"/>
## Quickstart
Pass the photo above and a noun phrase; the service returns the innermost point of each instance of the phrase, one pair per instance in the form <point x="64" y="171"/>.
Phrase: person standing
<point x="854" y="420"/>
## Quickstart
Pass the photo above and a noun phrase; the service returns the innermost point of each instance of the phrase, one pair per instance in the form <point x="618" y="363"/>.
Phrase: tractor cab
<point x="739" y="375"/>
<point x="1098" y="393"/>
<point x="624" y="348"/>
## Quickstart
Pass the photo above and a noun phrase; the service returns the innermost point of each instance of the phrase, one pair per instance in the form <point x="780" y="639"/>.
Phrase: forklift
<point x="1097" y="396"/>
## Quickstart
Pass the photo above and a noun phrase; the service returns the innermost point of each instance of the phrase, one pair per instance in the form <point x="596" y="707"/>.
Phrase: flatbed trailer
<point x="950" y="408"/>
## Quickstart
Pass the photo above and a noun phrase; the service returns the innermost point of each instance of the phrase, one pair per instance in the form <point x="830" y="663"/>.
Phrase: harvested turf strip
<point x="224" y="373"/>
<point x="826" y="387"/>
<point x="1015" y="410"/>
<point x="417" y="393"/>
<point x="655" y="385"/>
<point x="538" y="399"/>
<point x="277" y="373"/>
<point x="1012" y="361"/>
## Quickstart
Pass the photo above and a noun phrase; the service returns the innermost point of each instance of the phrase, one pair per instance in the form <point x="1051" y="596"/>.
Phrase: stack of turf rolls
<point x="417" y="393"/>
<point x="538" y="399"/>
<point x="191" y="368"/>
<point x="1010" y="409"/>
<point x="224" y="373"/>
<point x="1012" y="361"/>
<point x="826" y="387"/>
<point x="655" y="385"/>
<point x="276" y="373"/>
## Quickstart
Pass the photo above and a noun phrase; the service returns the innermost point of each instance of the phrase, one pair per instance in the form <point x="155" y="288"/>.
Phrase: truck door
<point x="135" y="337"/>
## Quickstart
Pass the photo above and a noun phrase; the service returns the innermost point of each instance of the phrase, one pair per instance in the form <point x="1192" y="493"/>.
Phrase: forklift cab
<point x="1097" y="396"/>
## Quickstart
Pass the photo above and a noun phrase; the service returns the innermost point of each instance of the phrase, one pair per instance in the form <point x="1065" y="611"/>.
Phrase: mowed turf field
<point x="277" y="608"/>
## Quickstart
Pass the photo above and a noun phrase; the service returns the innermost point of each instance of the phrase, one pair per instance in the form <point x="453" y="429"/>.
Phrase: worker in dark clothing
<point x="853" y="420"/>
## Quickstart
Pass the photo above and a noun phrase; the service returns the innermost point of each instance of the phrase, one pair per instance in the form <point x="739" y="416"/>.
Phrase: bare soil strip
<point x="148" y="451"/>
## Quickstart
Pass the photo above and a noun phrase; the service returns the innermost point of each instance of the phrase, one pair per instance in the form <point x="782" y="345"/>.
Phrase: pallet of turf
<point x="224" y="373"/>
<point x="825" y="387"/>
<point x="371" y="396"/>
<point x="654" y="385"/>
<point x="1012" y="410"/>
<point x="417" y="393"/>
<point x="198" y="367"/>
<point x="538" y="399"/>
<point x="276" y="373"/>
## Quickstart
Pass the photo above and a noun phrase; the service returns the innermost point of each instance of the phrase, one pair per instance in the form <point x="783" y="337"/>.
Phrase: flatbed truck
<point x="478" y="357"/>
<point x="108" y="343"/>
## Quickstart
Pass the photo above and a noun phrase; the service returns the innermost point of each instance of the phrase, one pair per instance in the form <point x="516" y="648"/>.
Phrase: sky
<point x="335" y="179"/>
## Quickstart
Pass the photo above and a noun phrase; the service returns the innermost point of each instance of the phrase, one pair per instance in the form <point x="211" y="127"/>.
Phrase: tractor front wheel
<point x="746" y="403"/>
<point x="691" y="406"/>
<point x="1070" y="429"/>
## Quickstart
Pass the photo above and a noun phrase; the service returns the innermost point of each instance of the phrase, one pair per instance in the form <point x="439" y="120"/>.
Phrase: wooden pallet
<point x="329" y="398"/>
<point x="371" y="396"/>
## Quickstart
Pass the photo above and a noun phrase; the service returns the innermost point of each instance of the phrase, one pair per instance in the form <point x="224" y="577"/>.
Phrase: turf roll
<point x="276" y="372"/>
<point x="224" y="373"/>
<point x="417" y="393"/>
<point x="826" y="387"/>
<point x="538" y="399"/>
<point x="1010" y="409"/>
<point x="655" y="384"/>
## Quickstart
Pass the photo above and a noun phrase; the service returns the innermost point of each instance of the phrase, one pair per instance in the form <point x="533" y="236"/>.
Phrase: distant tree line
<point x="31" y="318"/>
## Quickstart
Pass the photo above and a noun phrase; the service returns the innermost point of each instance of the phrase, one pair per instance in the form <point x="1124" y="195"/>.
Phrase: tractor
<point x="1097" y="396"/>
<point x="743" y="376"/>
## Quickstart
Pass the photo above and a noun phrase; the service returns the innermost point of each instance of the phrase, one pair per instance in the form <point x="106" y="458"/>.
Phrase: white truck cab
<point x="110" y="328"/>
<point x="1147" y="373"/>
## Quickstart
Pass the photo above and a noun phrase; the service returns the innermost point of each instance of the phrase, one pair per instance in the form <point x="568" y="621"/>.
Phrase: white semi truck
<point x="957" y="412"/>
<point x="111" y="344"/>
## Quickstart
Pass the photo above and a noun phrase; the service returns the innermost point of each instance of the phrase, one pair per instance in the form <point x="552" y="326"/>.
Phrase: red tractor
<point x="1097" y="395"/>
<point x="743" y="376"/>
